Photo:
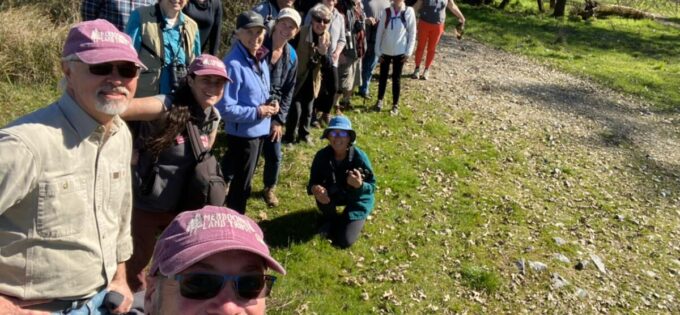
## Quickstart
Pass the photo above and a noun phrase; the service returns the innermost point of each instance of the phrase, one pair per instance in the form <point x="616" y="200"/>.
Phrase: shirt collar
<point x="180" y="21"/>
<point x="81" y="121"/>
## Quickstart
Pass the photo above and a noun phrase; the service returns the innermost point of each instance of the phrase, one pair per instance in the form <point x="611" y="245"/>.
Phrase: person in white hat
<point x="283" y="64"/>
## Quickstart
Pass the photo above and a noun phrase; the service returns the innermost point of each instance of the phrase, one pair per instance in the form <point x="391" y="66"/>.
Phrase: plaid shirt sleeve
<point x="89" y="9"/>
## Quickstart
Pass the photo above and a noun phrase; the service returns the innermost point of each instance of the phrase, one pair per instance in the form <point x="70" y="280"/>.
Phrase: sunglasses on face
<point x="338" y="133"/>
<point x="203" y="286"/>
<point x="127" y="70"/>
<point x="320" y="20"/>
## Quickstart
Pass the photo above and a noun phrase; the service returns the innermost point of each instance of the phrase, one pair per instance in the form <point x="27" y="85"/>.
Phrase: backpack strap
<point x="195" y="140"/>
<point x="388" y="16"/>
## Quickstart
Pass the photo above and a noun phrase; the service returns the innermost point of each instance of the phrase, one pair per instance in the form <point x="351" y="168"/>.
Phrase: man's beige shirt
<point x="65" y="203"/>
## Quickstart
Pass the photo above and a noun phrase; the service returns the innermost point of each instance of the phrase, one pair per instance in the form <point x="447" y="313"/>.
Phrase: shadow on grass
<point x="587" y="36"/>
<point x="622" y="123"/>
<point x="294" y="227"/>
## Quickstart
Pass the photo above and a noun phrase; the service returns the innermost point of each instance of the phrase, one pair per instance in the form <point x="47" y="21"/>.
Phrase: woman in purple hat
<point x="165" y="155"/>
<point x="341" y="175"/>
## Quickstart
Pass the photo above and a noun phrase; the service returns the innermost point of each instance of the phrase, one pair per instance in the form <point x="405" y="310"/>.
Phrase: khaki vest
<point x="305" y="50"/>
<point x="151" y="53"/>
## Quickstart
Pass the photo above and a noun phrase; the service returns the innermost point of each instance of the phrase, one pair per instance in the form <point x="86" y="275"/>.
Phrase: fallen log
<point x="595" y="9"/>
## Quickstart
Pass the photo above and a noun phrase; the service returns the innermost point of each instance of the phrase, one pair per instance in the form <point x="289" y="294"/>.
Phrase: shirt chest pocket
<point x="62" y="204"/>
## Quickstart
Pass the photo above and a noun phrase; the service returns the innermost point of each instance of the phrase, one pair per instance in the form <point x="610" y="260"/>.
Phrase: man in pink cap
<point x="210" y="261"/>
<point x="65" y="193"/>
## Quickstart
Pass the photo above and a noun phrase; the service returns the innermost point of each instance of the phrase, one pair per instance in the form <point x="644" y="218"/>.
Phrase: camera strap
<point x="160" y="19"/>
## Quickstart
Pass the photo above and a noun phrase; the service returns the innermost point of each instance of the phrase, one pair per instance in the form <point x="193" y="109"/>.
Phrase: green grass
<point x="454" y="211"/>
<point x="640" y="57"/>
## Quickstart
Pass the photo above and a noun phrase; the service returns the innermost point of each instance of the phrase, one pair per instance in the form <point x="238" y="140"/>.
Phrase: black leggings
<point x="343" y="231"/>
<point x="329" y="87"/>
<point x="397" y="66"/>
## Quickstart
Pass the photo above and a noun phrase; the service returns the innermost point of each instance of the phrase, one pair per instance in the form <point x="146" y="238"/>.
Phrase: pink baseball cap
<point x="98" y="41"/>
<point x="208" y="65"/>
<point x="195" y="235"/>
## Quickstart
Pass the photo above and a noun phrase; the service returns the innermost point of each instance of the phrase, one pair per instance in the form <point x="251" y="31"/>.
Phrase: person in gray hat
<point x="341" y="175"/>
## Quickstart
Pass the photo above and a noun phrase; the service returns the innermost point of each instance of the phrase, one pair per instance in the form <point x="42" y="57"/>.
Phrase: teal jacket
<point x="332" y="175"/>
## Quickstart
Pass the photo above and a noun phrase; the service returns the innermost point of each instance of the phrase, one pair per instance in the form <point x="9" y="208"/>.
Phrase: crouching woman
<point x="341" y="175"/>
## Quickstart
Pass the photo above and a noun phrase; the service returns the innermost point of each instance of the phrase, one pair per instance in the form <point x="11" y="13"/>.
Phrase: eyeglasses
<point x="320" y="20"/>
<point x="338" y="133"/>
<point x="127" y="70"/>
<point x="203" y="286"/>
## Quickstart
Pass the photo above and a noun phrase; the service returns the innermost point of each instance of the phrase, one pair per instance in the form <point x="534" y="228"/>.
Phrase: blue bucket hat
<point x="340" y="123"/>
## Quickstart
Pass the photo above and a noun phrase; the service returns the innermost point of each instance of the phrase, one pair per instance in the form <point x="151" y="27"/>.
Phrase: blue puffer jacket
<point x="248" y="90"/>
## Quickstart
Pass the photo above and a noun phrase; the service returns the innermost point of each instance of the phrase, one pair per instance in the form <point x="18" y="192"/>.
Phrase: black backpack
<point x="206" y="185"/>
<point x="388" y="16"/>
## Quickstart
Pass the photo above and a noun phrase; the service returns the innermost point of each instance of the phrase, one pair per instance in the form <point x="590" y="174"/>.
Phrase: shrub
<point x="30" y="54"/>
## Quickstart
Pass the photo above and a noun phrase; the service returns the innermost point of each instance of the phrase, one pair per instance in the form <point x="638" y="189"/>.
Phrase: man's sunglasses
<point x="320" y="20"/>
<point x="127" y="70"/>
<point x="338" y="133"/>
<point x="203" y="286"/>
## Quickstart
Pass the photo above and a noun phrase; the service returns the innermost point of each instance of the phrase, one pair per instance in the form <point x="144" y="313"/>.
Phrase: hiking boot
<point x="346" y="105"/>
<point x="416" y="73"/>
<point x="270" y="197"/>
<point x="395" y="110"/>
<point x="364" y="94"/>
<point x="425" y="75"/>
<point x="378" y="106"/>
<point x="316" y="124"/>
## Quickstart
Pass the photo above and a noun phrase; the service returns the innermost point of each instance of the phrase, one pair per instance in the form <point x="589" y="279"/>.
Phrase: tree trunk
<point x="540" y="6"/>
<point x="552" y="4"/>
<point x="503" y="4"/>
<point x="559" y="8"/>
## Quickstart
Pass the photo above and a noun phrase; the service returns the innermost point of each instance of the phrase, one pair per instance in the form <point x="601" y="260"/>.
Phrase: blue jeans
<point x="368" y="64"/>
<point x="93" y="307"/>
<point x="271" y="152"/>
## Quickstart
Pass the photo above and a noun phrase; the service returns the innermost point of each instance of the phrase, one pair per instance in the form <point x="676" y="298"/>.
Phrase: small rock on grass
<point x="581" y="293"/>
<point x="559" y="241"/>
<point x="538" y="266"/>
<point x="521" y="265"/>
<point x="557" y="281"/>
<point x="562" y="258"/>
<point x="598" y="263"/>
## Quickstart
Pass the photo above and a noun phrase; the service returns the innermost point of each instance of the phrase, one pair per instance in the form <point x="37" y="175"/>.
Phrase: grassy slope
<point x="452" y="212"/>
<point x="639" y="57"/>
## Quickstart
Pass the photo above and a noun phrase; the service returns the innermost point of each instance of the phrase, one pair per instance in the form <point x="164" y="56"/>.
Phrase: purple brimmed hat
<point x="195" y="235"/>
<point x="99" y="41"/>
<point x="208" y="65"/>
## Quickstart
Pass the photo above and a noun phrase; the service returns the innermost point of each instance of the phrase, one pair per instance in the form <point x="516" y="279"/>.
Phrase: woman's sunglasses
<point x="338" y="133"/>
<point x="127" y="70"/>
<point x="203" y="286"/>
<point x="320" y="20"/>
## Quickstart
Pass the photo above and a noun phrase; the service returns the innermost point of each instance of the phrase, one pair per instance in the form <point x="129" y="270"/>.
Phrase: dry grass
<point x="29" y="54"/>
